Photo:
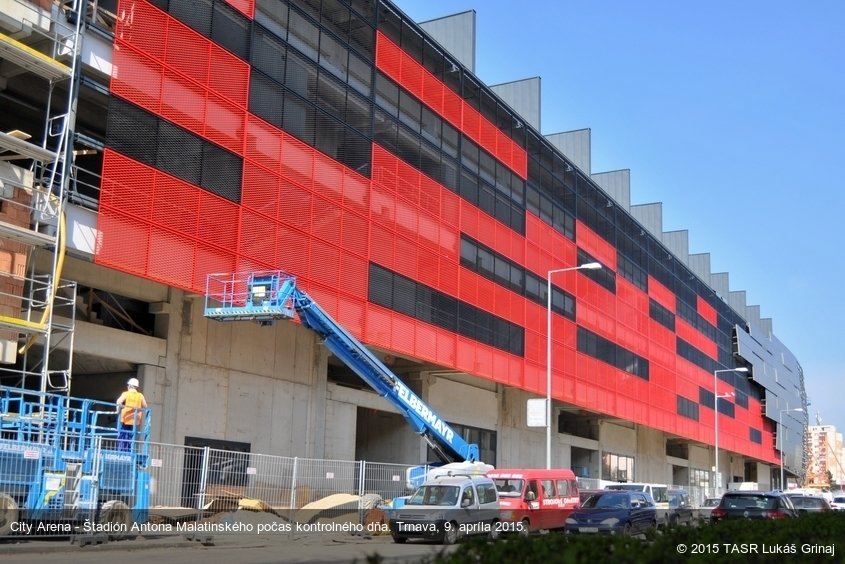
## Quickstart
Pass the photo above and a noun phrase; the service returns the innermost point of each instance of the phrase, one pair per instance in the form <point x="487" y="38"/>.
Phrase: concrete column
<point x="315" y="430"/>
<point x="173" y="317"/>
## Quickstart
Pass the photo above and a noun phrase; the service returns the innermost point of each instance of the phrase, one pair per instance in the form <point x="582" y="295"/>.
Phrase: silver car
<point x="706" y="507"/>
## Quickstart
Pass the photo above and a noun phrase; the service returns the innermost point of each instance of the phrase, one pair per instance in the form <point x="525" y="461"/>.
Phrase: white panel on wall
<point x="650" y="216"/>
<point x="575" y="145"/>
<point x="617" y="184"/>
<point x="523" y="96"/>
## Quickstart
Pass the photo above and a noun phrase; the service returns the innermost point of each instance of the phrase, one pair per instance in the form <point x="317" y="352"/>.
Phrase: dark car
<point x="809" y="503"/>
<point x="753" y="505"/>
<point x="677" y="510"/>
<point x="614" y="512"/>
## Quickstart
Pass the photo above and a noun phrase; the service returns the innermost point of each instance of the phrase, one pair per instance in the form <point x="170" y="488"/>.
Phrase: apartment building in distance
<point x="826" y="456"/>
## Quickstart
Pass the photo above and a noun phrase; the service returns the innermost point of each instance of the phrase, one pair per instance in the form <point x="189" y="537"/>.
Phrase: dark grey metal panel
<point x="776" y="369"/>
<point x="456" y="34"/>
<point x="523" y="96"/>
<point x="575" y="145"/>
<point x="617" y="184"/>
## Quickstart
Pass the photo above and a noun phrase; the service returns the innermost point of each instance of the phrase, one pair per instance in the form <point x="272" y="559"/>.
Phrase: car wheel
<point x="627" y="530"/>
<point x="450" y="534"/>
<point x="524" y="528"/>
<point x="673" y="521"/>
<point x="495" y="531"/>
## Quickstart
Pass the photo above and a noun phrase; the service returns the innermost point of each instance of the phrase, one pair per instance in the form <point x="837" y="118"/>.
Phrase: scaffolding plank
<point x="34" y="61"/>
<point x="25" y="235"/>
<point x="22" y="325"/>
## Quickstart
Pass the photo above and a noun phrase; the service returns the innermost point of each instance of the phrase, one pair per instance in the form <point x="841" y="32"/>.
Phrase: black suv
<point x="753" y="505"/>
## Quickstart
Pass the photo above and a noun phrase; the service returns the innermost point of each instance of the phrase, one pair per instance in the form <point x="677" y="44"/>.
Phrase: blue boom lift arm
<point x="265" y="297"/>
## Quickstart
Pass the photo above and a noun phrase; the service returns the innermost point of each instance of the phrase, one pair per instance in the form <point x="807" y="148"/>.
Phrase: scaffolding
<point x="42" y="39"/>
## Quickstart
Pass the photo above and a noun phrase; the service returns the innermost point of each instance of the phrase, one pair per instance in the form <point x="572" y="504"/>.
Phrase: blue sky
<point x="730" y="113"/>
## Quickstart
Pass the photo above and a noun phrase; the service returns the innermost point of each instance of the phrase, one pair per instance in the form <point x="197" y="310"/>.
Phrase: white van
<point x="447" y="508"/>
<point x="656" y="491"/>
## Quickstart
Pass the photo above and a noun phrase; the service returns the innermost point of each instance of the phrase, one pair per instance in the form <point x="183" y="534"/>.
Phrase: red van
<point x="536" y="498"/>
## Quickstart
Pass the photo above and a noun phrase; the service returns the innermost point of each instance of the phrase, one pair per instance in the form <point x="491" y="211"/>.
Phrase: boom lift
<point x="267" y="296"/>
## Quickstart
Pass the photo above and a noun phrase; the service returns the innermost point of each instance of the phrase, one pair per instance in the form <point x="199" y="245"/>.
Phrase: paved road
<point x="226" y="549"/>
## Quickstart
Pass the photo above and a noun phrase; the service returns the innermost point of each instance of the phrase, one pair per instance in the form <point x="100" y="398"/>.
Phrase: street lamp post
<point x="587" y="266"/>
<point x="782" y="440"/>
<point x="716" y="481"/>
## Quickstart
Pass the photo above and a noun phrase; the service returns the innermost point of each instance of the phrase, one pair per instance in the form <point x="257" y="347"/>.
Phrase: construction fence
<point x="210" y="480"/>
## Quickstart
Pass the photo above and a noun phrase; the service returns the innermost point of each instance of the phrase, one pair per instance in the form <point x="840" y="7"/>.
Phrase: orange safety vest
<point x="133" y="401"/>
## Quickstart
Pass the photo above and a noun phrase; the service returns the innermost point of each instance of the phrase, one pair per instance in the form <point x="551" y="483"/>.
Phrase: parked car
<point x="447" y="508"/>
<point x="838" y="503"/>
<point x="809" y="503"/>
<point x="676" y="510"/>
<point x="614" y="512"/>
<point x="536" y="499"/>
<point x="706" y="507"/>
<point x="753" y="505"/>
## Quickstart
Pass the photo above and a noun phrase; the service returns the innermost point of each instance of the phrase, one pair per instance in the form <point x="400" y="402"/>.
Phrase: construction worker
<point x="130" y="407"/>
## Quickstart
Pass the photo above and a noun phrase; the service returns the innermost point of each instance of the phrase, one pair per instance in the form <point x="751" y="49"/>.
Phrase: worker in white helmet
<point x="130" y="405"/>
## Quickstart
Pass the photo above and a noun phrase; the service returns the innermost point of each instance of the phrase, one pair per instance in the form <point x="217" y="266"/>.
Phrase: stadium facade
<point x="343" y="143"/>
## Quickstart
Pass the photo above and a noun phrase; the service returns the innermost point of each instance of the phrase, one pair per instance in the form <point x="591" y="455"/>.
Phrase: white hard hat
<point x="133" y="382"/>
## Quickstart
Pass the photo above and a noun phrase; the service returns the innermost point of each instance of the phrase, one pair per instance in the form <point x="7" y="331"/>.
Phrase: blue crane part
<point x="267" y="296"/>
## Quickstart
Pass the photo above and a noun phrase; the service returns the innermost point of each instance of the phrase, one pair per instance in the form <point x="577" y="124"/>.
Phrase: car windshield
<point x="807" y="502"/>
<point x="659" y="494"/>
<point x="435" y="495"/>
<point x="607" y="500"/>
<point x="711" y="502"/>
<point x="677" y="499"/>
<point x="508" y="487"/>
<point x="749" y="502"/>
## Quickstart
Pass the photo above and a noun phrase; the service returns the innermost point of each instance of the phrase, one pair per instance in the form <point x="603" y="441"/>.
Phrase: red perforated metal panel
<point x="136" y="78"/>
<point x="706" y="311"/>
<point x="187" y="51"/>
<point x="183" y="102"/>
<point x="145" y="27"/>
<point x="246" y="7"/>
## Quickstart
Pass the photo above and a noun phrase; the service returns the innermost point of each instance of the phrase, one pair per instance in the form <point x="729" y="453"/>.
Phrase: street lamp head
<point x="741" y="369"/>
<point x="591" y="266"/>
